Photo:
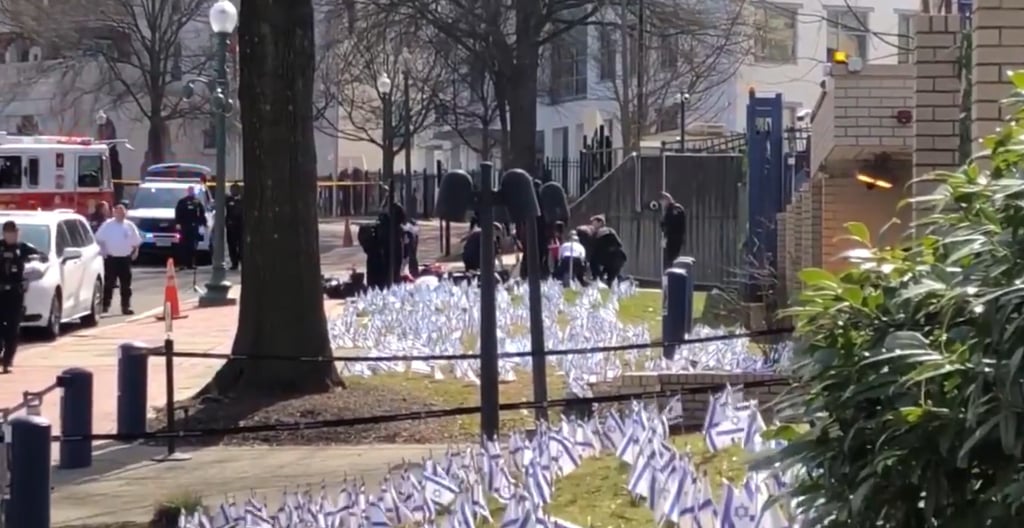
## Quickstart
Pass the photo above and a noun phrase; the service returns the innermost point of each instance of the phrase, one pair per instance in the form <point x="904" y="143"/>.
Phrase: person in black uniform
<point x="673" y="228"/>
<point x="233" y="224"/>
<point x="471" y="247"/>
<point x="190" y="215"/>
<point x="13" y="256"/>
<point x="395" y="213"/>
<point x="606" y="254"/>
<point x="376" y="261"/>
<point x="410" y="243"/>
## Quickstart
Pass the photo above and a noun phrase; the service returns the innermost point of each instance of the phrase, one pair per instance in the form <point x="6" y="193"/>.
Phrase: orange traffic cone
<point x="171" y="302"/>
<point x="346" y="239"/>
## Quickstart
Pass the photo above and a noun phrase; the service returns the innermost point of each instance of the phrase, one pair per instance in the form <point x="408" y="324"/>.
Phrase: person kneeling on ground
<point x="607" y="256"/>
<point x="471" y="247"/>
<point x="572" y="257"/>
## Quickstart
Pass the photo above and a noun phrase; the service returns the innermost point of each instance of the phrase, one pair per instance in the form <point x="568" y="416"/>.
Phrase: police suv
<point x="152" y="211"/>
<point x="69" y="282"/>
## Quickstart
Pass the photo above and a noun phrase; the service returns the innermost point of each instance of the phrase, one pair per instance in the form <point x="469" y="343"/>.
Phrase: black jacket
<point x="233" y="211"/>
<point x="12" y="261"/>
<point x="606" y="242"/>
<point x="673" y="223"/>
<point x="190" y="215"/>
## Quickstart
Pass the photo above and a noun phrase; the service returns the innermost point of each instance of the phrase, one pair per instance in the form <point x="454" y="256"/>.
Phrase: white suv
<point x="71" y="286"/>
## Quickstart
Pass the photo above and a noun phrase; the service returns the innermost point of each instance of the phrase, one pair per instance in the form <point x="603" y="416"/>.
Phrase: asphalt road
<point x="148" y="280"/>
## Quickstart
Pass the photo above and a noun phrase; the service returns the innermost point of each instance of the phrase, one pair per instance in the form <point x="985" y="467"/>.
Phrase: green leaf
<point x="784" y="432"/>
<point x="859" y="231"/>
<point x="1016" y="79"/>
<point x="979" y="434"/>
<point x="906" y="341"/>
<point x="912" y="414"/>
<point x="854" y="294"/>
<point x="817" y="276"/>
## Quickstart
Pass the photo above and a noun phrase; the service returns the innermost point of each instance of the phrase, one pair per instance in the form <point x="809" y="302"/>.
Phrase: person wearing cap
<point x="190" y="217"/>
<point x="673" y="229"/>
<point x="14" y="254"/>
<point x="119" y="242"/>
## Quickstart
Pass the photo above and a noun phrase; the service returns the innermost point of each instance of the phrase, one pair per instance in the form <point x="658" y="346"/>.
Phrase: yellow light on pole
<point x="840" y="57"/>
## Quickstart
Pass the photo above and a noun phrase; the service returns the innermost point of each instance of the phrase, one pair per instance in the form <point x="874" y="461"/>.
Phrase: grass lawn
<point x="642" y="308"/>
<point x="595" y="496"/>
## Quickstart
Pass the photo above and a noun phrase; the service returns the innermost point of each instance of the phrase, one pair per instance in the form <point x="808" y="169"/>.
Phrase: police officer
<point x="673" y="228"/>
<point x="233" y="224"/>
<point x="13" y="256"/>
<point x="376" y="261"/>
<point x="607" y="256"/>
<point x="190" y="215"/>
<point x="396" y="214"/>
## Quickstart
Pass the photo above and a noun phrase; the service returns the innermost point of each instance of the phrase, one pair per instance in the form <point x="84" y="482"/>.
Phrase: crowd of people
<point x="589" y="252"/>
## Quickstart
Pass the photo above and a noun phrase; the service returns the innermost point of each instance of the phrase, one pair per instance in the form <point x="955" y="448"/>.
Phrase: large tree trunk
<point x="282" y="310"/>
<point x="156" y="143"/>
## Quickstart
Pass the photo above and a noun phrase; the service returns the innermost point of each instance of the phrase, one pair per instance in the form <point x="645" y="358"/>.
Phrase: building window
<point x="210" y="137"/>
<point x="905" y="40"/>
<point x="848" y="31"/>
<point x="606" y="57"/>
<point x="775" y="34"/>
<point x="668" y="53"/>
<point x="569" y="65"/>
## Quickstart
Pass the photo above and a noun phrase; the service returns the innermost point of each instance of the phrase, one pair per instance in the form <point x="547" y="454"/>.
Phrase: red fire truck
<point x="54" y="172"/>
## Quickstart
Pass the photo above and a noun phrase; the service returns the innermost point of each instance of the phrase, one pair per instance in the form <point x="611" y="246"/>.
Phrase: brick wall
<point x="695" y="405"/>
<point x="866" y="103"/>
<point x="937" y="96"/>
<point x="998" y="47"/>
<point x="847" y="200"/>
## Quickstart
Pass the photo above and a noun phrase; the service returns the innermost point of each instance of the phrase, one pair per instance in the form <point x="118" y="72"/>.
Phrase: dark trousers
<point x="235" y="245"/>
<point x="187" y="250"/>
<point x="118" y="270"/>
<point x="376" y="270"/>
<point x="578" y="270"/>
<point x="671" y="252"/>
<point x="12" y="308"/>
<point x="611" y="267"/>
<point x="412" y="247"/>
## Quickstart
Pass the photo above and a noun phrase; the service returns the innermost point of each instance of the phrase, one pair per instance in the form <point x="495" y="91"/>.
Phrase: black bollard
<point x="686" y="264"/>
<point x="673" y="319"/>
<point x="132" y="388"/>
<point x="29" y="505"/>
<point x="75" y="418"/>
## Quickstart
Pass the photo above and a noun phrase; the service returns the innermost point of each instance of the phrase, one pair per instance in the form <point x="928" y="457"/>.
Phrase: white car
<point x="71" y="283"/>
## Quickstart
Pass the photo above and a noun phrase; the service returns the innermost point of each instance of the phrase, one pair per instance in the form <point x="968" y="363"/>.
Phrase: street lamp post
<point x="223" y="19"/>
<point x="388" y="159"/>
<point x="684" y="98"/>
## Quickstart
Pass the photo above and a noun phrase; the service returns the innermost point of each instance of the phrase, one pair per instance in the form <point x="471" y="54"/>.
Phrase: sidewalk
<point x="123" y="485"/>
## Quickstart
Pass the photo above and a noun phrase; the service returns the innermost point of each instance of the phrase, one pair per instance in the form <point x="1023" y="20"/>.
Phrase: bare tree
<point x="120" y="52"/>
<point x="688" y="48"/>
<point x="508" y="36"/>
<point x="351" y="106"/>
<point x="467" y="103"/>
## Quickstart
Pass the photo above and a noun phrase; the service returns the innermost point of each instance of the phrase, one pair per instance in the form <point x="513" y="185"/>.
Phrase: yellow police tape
<point x="319" y="184"/>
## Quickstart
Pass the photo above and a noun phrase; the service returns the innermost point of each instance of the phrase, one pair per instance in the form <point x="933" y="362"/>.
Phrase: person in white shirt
<point x="119" y="242"/>
<point x="572" y="258"/>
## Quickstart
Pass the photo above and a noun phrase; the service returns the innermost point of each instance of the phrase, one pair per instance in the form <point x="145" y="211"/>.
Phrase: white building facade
<point x="794" y="42"/>
<point x="46" y="95"/>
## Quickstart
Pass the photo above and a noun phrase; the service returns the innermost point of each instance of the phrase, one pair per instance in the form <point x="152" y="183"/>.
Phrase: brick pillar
<point x="998" y="47"/>
<point x="936" y="98"/>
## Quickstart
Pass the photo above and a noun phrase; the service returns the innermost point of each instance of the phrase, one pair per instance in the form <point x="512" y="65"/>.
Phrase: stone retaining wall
<point x="695" y="405"/>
